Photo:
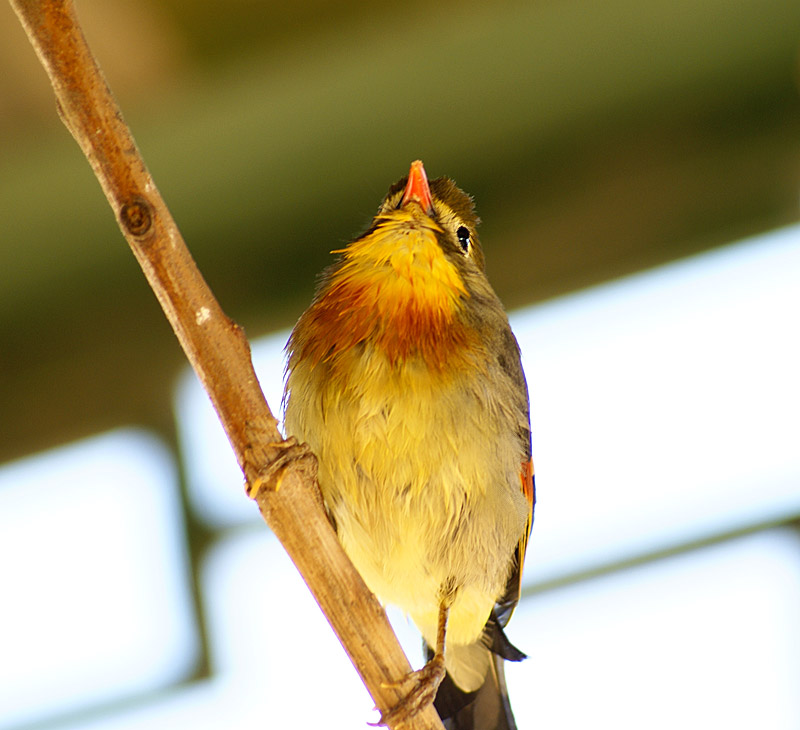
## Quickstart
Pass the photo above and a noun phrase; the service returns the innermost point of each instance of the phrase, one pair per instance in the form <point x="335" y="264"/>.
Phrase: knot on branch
<point x="136" y="216"/>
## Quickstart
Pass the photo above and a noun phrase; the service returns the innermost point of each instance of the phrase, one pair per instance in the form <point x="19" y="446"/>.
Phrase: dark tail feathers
<point x="488" y="707"/>
<point x="485" y="709"/>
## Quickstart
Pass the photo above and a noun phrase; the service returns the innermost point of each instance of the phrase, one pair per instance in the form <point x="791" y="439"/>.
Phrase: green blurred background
<point x="598" y="138"/>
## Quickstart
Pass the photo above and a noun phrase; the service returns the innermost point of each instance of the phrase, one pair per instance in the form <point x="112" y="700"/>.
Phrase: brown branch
<point x="281" y="476"/>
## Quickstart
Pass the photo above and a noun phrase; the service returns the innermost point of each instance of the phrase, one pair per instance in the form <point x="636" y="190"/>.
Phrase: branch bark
<point x="281" y="477"/>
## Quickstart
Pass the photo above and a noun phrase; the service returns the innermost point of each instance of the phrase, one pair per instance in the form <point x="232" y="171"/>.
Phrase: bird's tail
<point x="487" y="708"/>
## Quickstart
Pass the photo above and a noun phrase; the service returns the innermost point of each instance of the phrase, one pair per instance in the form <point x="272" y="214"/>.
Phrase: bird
<point x="403" y="376"/>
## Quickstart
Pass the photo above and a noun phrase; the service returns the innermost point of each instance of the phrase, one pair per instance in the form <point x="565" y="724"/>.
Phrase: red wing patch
<point x="526" y="478"/>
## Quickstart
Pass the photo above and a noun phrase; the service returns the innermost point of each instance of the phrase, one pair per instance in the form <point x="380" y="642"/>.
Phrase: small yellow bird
<point x="405" y="379"/>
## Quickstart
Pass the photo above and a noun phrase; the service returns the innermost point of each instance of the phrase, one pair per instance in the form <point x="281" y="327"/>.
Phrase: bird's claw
<point x="290" y="452"/>
<point x="425" y="683"/>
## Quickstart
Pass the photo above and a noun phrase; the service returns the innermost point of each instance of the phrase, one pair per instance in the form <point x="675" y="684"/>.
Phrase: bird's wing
<point x="513" y="366"/>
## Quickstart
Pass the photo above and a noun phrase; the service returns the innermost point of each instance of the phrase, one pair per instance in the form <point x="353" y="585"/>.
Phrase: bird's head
<point x="448" y="210"/>
<point x="403" y="285"/>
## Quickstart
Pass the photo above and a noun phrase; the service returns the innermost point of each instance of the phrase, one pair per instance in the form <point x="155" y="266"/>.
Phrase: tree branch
<point x="280" y="476"/>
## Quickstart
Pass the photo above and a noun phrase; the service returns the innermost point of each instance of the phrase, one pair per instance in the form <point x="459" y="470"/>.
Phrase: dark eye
<point x="463" y="235"/>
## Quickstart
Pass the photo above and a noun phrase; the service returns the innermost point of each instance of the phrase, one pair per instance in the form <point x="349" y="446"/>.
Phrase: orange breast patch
<point x="395" y="288"/>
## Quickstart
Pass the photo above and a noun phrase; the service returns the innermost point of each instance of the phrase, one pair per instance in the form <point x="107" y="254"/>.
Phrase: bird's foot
<point x="286" y="454"/>
<point x="423" y="685"/>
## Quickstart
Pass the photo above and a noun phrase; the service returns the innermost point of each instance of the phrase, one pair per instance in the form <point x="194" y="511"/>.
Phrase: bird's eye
<point x="463" y="235"/>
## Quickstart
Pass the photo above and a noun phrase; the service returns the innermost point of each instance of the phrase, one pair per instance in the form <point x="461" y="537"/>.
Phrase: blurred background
<point x="636" y="164"/>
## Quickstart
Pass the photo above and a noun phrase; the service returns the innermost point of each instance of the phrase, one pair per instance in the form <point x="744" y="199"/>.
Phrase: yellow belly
<point x="420" y="472"/>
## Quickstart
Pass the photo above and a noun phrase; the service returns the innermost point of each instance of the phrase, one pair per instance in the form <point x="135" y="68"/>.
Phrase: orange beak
<point x="417" y="188"/>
